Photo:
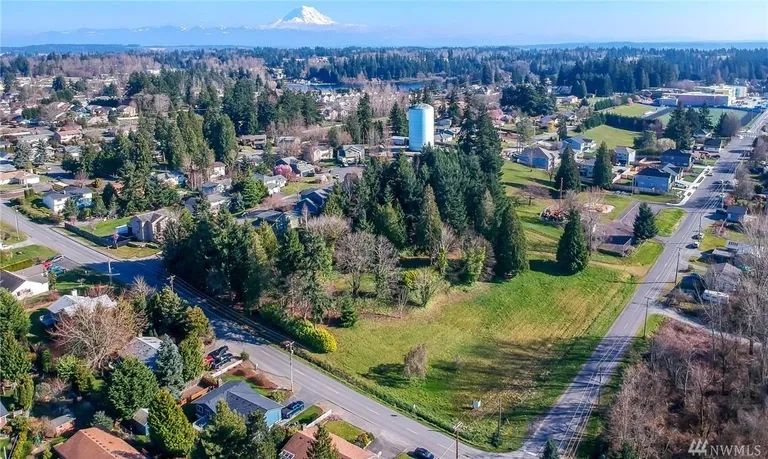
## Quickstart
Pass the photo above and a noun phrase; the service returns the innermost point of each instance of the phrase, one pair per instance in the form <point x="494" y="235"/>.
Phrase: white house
<point x="56" y="200"/>
<point x="274" y="183"/>
<point x="22" y="286"/>
<point x="68" y="304"/>
<point x="218" y="170"/>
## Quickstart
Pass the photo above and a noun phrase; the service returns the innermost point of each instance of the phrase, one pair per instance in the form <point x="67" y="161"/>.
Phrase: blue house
<point x="578" y="144"/>
<point x="312" y="200"/>
<point x="240" y="398"/>
<point x="652" y="180"/>
<point x="539" y="158"/>
<point x="624" y="156"/>
<point x="677" y="157"/>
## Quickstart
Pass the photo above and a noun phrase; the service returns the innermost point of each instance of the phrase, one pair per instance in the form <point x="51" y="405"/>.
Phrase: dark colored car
<point x="423" y="453"/>
<point x="214" y="354"/>
<point x="292" y="409"/>
<point x="221" y="360"/>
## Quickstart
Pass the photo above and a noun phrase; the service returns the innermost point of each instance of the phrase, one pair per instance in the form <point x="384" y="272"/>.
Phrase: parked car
<point x="423" y="453"/>
<point x="56" y="258"/>
<point x="221" y="360"/>
<point x="292" y="409"/>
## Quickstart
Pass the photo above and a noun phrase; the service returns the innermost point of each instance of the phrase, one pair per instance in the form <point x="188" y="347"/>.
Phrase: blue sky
<point x="492" y="22"/>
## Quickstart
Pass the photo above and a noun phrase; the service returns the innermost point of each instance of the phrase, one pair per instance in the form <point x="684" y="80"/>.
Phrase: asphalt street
<point x="395" y="431"/>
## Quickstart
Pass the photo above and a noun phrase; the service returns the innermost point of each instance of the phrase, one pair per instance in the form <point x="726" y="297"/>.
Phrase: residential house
<point x="287" y="161"/>
<point x="216" y="202"/>
<point x="351" y="154"/>
<point x="253" y="140"/>
<point x="68" y="304"/>
<point x="170" y="178"/>
<point x="149" y="226"/>
<point x="652" y="180"/>
<point x="26" y="179"/>
<point x="299" y="444"/>
<point x="548" y="122"/>
<point x="302" y="169"/>
<point x="59" y="426"/>
<point x="94" y="443"/>
<point x="274" y="183"/>
<point x="127" y="111"/>
<point x="22" y="286"/>
<point x="73" y="151"/>
<point x="579" y="144"/>
<point x="400" y="140"/>
<point x="539" y="158"/>
<point x="723" y="277"/>
<point x="3" y="415"/>
<point x="240" y="398"/>
<point x="144" y="348"/>
<point x="56" y="200"/>
<point x="311" y="200"/>
<point x="736" y="214"/>
<point x="677" y="157"/>
<point x="624" y="156"/>
<point x="218" y="170"/>
<point x="287" y="142"/>
<point x="279" y="221"/>
<point x="68" y="134"/>
<point x="713" y="146"/>
<point x="314" y="154"/>
<point x="676" y="171"/>
<point x="209" y="188"/>
<point x="587" y="168"/>
<point x="701" y="135"/>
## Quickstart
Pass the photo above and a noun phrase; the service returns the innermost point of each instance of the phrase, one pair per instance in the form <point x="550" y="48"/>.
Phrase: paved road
<point x="567" y="418"/>
<point x="394" y="431"/>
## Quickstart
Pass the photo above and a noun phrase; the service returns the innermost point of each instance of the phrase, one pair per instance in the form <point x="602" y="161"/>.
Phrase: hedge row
<point x="317" y="338"/>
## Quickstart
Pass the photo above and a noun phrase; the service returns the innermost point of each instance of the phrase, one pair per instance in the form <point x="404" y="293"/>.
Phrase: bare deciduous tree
<point x="330" y="228"/>
<point x="354" y="256"/>
<point x="415" y="362"/>
<point x="96" y="333"/>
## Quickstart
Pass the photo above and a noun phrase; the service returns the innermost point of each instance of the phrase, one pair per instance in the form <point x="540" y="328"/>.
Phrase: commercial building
<point x="697" y="99"/>
<point x="421" y="126"/>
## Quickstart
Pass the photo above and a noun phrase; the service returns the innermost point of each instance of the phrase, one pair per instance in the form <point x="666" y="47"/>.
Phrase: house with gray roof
<point x="68" y="304"/>
<point x="23" y="286"/>
<point x="240" y="398"/>
<point x="539" y="157"/>
<point x="144" y="348"/>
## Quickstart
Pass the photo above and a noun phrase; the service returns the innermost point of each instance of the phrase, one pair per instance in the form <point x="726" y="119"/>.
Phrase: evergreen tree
<point x="14" y="361"/>
<point x="25" y="393"/>
<point x="398" y="121"/>
<point x="390" y="223"/>
<point x="705" y="119"/>
<point x="169" y="367"/>
<point x="169" y="429"/>
<point x="728" y="125"/>
<point x="191" y="351"/>
<point x="572" y="252"/>
<point x="220" y="134"/>
<point x="262" y="441"/>
<point x="602" y="172"/>
<point x="252" y="190"/>
<point x="98" y="209"/>
<point x="291" y="253"/>
<point x="562" y="129"/>
<point x="225" y="436"/>
<point x="645" y="223"/>
<point x="70" y="209"/>
<point x="509" y="244"/>
<point x="365" y="118"/>
<point x="197" y="325"/>
<point x="679" y="129"/>
<point x="335" y="204"/>
<point x="131" y="386"/>
<point x="550" y="450"/>
<point x="429" y="227"/>
<point x="322" y="446"/>
<point x="567" y="177"/>
<point x="167" y="311"/>
<point x="13" y="319"/>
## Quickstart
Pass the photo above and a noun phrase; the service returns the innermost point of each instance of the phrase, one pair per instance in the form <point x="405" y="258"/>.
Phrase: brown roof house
<point x="148" y="227"/>
<point x="300" y="442"/>
<point x="94" y="443"/>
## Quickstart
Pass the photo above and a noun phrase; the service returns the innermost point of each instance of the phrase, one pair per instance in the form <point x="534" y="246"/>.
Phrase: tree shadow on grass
<point x="548" y="267"/>
<point x="388" y="374"/>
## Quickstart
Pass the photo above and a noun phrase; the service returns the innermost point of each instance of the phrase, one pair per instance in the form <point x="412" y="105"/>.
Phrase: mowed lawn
<point x="612" y="136"/>
<point x="106" y="227"/>
<point x="714" y="114"/>
<point x="668" y="219"/>
<point x="634" y="110"/>
<point x="519" y="341"/>
<point x="24" y="257"/>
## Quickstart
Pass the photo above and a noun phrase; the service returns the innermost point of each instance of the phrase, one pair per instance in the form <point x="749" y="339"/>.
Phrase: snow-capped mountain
<point x="302" y="17"/>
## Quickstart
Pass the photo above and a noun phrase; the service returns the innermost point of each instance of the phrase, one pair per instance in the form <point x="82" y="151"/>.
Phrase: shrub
<point x="317" y="338"/>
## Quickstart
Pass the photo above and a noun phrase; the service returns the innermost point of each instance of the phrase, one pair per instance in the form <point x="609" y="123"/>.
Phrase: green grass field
<point x="27" y="255"/>
<point x="301" y="185"/>
<point x="503" y="341"/>
<point x="611" y="136"/>
<point x="9" y="236"/>
<point x="106" y="227"/>
<point x="344" y="430"/>
<point x="714" y="114"/>
<point x="634" y="110"/>
<point x="668" y="219"/>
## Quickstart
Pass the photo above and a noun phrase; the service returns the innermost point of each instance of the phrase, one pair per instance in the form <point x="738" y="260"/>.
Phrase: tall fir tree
<point x="567" y="177"/>
<point x="169" y="368"/>
<point x="509" y="245"/>
<point x="602" y="172"/>
<point x="430" y="226"/>
<point x="645" y="223"/>
<point x="225" y="435"/>
<point x="572" y="252"/>
<point x="169" y="429"/>
<point x="322" y="446"/>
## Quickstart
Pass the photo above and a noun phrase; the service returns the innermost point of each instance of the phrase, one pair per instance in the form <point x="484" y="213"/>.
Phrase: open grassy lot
<point x="668" y="219"/>
<point x="106" y="227"/>
<point x="344" y="430"/>
<point x="634" y="110"/>
<point x="125" y="252"/>
<point x="24" y="257"/>
<point x="612" y="136"/>
<point x="714" y="114"/>
<point x="504" y="341"/>
<point x="9" y="236"/>
<point x="300" y="185"/>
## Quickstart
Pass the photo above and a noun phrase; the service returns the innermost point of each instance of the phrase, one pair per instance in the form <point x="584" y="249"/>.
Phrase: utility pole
<point x="645" y="321"/>
<point x="170" y="280"/>
<point x="290" y="361"/>
<point x="677" y="266"/>
<point x="456" y="429"/>
<point x="109" y="267"/>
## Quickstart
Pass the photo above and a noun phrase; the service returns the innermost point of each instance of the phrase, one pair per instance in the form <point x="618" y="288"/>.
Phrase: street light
<point x="289" y="345"/>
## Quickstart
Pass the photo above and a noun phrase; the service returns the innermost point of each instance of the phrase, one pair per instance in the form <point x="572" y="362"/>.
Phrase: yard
<point x="344" y="430"/>
<point x="714" y="114"/>
<point x="125" y="252"/>
<point x="634" y="110"/>
<point x="668" y="219"/>
<point x="106" y="227"/>
<point x="9" y="236"/>
<point x="300" y="185"/>
<point x="500" y="341"/>
<point x="24" y="257"/>
<point x="612" y="136"/>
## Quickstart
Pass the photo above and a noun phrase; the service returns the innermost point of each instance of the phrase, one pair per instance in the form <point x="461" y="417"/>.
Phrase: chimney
<point x="74" y="292"/>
